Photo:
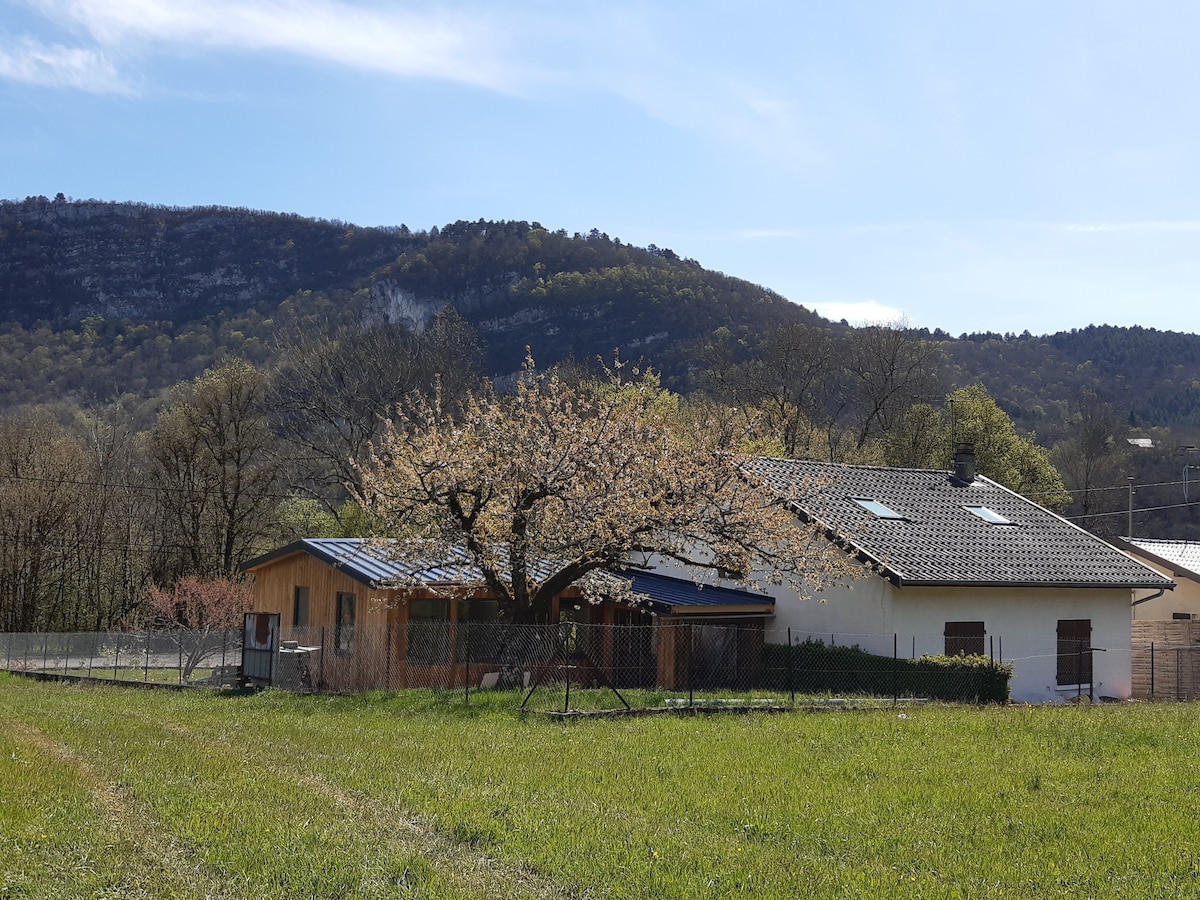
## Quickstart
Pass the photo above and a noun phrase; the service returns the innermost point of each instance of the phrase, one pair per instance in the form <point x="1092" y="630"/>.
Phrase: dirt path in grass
<point x="468" y="869"/>
<point x="123" y="814"/>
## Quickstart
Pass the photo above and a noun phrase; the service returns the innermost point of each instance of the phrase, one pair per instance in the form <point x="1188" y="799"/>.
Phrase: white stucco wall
<point x="1021" y="626"/>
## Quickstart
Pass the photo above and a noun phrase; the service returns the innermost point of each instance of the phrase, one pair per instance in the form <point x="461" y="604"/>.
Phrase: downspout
<point x="1161" y="591"/>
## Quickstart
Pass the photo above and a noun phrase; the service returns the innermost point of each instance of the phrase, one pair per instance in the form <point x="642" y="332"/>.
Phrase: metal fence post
<point x="895" y="670"/>
<point x="387" y="653"/>
<point x="567" y="669"/>
<point x="1152" y="670"/>
<point x="691" y="649"/>
<point x="46" y="651"/>
<point x="181" y="657"/>
<point x="1078" y="669"/>
<point x="67" y="656"/>
<point x="117" y="656"/>
<point x="92" y="655"/>
<point x="790" y="673"/>
<point x="146" y="673"/>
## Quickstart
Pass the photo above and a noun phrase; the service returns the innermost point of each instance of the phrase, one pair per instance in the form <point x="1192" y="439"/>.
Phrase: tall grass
<point x="410" y="795"/>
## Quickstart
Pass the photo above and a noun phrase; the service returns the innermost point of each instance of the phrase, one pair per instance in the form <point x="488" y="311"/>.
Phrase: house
<point x="1179" y="560"/>
<point x="960" y="564"/>
<point x="375" y="622"/>
<point x="1166" y="627"/>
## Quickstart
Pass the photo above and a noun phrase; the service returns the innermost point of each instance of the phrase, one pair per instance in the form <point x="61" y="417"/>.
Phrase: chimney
<point x="964" y="462"/>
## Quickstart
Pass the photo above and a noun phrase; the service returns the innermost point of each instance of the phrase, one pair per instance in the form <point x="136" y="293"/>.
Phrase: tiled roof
<point x="937" y="540"/>
<point x="1183" y="555"/>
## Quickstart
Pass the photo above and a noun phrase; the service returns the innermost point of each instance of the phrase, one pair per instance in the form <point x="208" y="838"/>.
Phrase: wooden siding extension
<point x="1167" y="651"/>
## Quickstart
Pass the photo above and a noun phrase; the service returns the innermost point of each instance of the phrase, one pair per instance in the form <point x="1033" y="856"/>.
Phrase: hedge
<point x="816" y="668"/>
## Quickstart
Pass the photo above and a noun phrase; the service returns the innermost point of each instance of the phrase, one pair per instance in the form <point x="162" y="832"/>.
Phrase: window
<point x="300" y="608"/>
<point x="1074" y="651"/>
<point x="989" y="515"/>
<point x="964" y="638"/>
<point x="876" y="508"/>
<point x="429" y="631"/>
<point x="478" y="632"/>
<point x="343" y="636"/>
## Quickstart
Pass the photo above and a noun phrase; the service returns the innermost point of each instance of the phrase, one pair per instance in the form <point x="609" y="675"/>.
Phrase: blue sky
<point x="973" y="167"/>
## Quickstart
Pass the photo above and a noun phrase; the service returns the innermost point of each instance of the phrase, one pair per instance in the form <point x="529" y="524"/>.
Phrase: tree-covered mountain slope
<point x="104" y="300"/>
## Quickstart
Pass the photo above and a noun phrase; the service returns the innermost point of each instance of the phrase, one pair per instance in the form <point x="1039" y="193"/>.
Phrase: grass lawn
<point x="108" y="792"/>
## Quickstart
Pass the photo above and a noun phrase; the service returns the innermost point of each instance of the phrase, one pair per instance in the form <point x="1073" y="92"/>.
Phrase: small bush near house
<point x="813" y="667"/>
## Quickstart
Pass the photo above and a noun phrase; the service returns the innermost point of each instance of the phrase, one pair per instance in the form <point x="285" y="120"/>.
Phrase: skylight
<point x="876" y="508"/>
<point x="988" y="515"/>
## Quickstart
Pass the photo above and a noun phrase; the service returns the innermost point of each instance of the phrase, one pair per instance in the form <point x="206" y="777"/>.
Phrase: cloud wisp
<point x="437" y="45"/>
<point x="49" y="65"/>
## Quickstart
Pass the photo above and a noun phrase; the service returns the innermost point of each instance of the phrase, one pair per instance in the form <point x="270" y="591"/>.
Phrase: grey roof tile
<point x="938" y="541"/>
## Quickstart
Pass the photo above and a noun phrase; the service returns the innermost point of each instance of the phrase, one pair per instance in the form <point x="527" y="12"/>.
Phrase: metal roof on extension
<point x="369" y="563"/>
<point x="682" y="596"/>
<point x="935" y="539"/>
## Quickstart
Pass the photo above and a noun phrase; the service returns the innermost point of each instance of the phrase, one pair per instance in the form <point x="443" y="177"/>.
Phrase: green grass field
<point x="109" y="792"/>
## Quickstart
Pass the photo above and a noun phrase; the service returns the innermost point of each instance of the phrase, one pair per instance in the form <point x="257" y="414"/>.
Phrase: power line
<point x="1125" y="512"/>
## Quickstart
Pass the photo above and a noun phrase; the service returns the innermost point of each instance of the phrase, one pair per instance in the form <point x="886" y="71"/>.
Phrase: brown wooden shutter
<point x="964" y="638"/>
<point x="1074" y="653"/>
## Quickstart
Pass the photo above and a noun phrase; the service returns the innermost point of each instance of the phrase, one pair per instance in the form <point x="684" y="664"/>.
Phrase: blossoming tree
<point x="557" y="484"/>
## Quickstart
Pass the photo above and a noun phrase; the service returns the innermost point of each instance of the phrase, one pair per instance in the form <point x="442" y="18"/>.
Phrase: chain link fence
<point x="209" y="657"/>
<point x="578" y="666"/>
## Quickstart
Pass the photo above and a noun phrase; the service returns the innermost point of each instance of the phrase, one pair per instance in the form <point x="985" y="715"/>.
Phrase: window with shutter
<point x="1074" y="651"/>
<point x="964" y="638"/>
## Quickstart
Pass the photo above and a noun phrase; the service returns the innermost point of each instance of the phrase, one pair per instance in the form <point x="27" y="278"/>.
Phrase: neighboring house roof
<point x="371" y="564"/>
<point x="1181" y="558"/>
<point x="926" y="533"/>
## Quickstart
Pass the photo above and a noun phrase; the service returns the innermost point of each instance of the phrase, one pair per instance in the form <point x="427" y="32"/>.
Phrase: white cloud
<point x="61" y="67"/>
<point x="397" y="42"/>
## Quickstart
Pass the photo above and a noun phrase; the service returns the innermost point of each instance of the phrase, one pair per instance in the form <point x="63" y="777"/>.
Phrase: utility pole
<point x="1129" y="530"/>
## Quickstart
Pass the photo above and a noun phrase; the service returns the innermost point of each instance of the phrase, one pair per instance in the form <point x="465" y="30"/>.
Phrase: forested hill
<point x="1151" y="376"/>
<point x="100" y="301"/>
<point x="113" y="298"/>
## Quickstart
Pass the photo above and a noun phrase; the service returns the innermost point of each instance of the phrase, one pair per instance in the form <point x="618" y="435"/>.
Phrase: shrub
<point x="815" y="668"/>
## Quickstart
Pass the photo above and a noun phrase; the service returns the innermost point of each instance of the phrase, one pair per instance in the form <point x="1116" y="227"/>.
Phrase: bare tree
<point x="40" y="492"/>
<point x="1092" y="457"/>
<point x="790" y="387"/>
<point x="888" y="365"/>
<point x="330" y="396"/>
<point x="212" y="459"/>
